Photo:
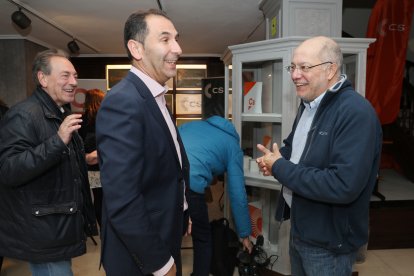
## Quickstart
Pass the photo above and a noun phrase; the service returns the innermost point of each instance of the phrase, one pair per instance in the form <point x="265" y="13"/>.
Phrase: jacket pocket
<point x="55" y="225"/>
<point x="65" y="208"/>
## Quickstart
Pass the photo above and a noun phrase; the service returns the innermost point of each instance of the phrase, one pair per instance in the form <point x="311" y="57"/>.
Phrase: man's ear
<point x="332" y="70"/>
<point x="42" y="78"/>
<point x="135" y="48"/>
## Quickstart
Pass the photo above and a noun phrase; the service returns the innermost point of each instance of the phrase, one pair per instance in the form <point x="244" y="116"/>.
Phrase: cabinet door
<point x="259" y="113"/>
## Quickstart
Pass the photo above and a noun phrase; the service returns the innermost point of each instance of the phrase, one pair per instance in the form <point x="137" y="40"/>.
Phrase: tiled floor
<point x="394" y="262"/>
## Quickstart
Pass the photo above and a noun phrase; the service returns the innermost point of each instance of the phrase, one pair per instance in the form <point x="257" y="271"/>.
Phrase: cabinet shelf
<point x="256" y="179"/>
<point x="262" y="117"/>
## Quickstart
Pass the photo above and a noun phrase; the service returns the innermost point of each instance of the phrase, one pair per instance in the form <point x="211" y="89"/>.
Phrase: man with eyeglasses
<point x="328" y="164"/>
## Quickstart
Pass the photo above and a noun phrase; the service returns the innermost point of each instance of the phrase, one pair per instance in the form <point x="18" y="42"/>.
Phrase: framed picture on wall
<point x="115" y="73"/>
<point x="188" y="104"/>
<point x="189" y="76"/>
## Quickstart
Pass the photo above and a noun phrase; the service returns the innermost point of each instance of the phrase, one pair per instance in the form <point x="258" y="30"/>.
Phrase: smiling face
<point x="158" y="55"/>
<point x="61" y="83"/>
<point x="311" y="84"/>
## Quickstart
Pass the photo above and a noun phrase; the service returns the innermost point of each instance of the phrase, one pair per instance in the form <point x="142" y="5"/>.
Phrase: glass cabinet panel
<point x="265" y="133"/>
<point x="262" y="86"/>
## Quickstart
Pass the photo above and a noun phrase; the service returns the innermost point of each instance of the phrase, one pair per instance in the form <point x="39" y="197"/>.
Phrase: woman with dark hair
<point x="93" y="99"/>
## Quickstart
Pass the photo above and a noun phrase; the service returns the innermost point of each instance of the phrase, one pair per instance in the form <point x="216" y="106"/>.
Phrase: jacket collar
<point x="50" y="108"/>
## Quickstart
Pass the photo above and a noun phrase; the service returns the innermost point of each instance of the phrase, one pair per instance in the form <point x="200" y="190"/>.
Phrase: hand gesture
<point x="70" y="124"/>
<point x="266" y="162"/>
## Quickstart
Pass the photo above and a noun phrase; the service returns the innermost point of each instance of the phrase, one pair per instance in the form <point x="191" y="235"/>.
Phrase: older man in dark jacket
<point x="328" y="164"/>
<point x="45" y="201"/>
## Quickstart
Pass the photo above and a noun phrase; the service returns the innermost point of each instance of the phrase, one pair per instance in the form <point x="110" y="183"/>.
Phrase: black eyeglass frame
<point x="304" y="68"/>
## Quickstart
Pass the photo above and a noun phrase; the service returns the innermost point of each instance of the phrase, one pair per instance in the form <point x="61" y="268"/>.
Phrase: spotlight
<point x="73" y="47"/>
<point x="20" y="19"/>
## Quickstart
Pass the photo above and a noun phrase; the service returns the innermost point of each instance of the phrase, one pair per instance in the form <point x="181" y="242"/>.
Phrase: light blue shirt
<point x="300" y="136"/>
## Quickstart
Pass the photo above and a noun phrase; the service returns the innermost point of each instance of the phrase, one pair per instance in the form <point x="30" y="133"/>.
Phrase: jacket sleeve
<point x="23" y="154"/>
<point x="237" y="192"/>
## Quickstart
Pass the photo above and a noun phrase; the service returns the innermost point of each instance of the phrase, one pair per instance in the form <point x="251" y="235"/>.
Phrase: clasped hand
<point x="266" y="162"/>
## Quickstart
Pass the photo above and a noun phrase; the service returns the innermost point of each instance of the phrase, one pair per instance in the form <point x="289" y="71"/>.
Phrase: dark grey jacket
<point x="45" y="200"/>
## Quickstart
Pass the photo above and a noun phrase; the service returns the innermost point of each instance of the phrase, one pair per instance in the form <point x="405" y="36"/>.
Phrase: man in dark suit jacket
<point x="144" y="167"/>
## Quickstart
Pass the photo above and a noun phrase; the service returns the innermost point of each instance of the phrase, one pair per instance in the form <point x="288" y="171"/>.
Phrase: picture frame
<point x="115" y="73"/>
<point x="188" y="104"/>
<point x="189" y="76"/>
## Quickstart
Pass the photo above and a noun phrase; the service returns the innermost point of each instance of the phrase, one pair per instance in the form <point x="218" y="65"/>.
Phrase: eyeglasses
<point x="304" y="68"/>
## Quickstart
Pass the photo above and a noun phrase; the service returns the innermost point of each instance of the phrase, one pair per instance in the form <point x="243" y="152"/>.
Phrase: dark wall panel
<point x="16" y="57"/>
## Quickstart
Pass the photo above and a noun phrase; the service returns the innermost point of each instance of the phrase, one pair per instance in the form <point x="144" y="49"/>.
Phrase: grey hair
<point x="42" y="63"/>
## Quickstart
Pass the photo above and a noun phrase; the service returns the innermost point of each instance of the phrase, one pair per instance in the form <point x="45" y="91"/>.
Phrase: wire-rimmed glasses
<point x="304" y="68"/>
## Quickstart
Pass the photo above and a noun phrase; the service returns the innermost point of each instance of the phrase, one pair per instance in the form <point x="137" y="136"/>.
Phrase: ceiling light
<point x="20" y="19"/>
<point x="73" y="47"/>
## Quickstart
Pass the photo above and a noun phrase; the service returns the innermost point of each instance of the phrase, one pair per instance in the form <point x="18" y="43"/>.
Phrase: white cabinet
<point x="265" y="62"/>
<point x="287" y="18"/>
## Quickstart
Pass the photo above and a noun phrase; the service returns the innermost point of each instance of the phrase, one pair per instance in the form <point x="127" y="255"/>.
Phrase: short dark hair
<point x="136" y="26"/>
<point x="42" y="62"/>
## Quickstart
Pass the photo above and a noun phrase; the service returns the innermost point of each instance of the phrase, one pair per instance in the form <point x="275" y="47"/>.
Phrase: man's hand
<point x="247" y="244"/>
<point x="92" y="158"/>
<point x="266" y="162"/>
<point x="70" y="124"/>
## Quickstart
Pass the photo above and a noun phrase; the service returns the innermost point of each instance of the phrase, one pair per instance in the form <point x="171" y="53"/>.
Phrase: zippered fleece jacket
<point x="336" y="174"/>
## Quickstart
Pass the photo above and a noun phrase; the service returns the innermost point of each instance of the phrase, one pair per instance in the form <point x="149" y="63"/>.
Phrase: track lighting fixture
<point x="20" y="19"/>
<point x="73" y="47"/>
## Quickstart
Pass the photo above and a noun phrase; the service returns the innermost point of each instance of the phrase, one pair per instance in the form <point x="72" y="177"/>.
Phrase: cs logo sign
<point x="383" y="27"/>
<point x="208" y="91"/>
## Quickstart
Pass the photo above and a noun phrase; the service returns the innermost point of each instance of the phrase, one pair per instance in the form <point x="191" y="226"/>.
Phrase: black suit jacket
<point x="142" y="181"/>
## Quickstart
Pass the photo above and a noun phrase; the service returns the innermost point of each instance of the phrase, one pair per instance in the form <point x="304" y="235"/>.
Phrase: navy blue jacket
<point x="334" y="179"/>
<point x="142" y="182"/>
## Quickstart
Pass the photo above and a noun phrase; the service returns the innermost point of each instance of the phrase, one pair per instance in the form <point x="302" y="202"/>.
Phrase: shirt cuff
<point x="165" y="268"/>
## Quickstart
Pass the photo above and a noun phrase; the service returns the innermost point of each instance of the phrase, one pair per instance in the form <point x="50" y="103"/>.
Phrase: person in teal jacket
<point x="213" y="148"/>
